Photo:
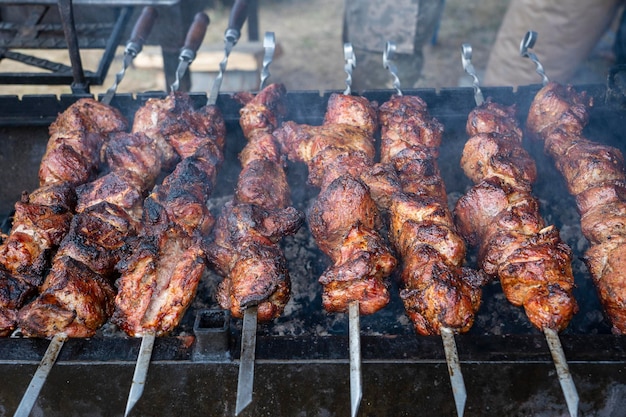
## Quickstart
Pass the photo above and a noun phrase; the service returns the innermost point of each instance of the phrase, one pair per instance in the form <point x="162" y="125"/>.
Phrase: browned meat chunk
<point x="501" y="216"/>
<point x="246" y="250"/>
<point x="595" y="174"/>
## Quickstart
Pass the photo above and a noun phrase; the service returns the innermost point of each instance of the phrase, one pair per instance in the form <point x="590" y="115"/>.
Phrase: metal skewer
<point x="528" y="42"/>
<point x="348" y="54"/>
<point x="140" y="32"/>
<point x="447" y="335"/>
<point x="562" y="369"/>
<point x="466" y="59"/>
<point x="354" y="325"/>
<point x="238" y="16"/>
<point x="141" y="371"/>
<point x="138" y="37"/>
<point x="388" y="54"/>
<point x="193" y="40"/>
<point x="245" y="379"/>
<point x="40" y="376"/>
<point x="269" y="44"/>
<point x="354" y="335"/>
<point x="554" y="343"/>
<point x="454" y="369"/>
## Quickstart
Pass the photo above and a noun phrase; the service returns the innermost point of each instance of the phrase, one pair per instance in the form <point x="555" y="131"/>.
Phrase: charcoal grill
<point x="302" y="357"/>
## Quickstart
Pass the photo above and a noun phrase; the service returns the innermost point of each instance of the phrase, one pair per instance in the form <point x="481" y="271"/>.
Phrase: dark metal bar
<point x="67" y="16"/>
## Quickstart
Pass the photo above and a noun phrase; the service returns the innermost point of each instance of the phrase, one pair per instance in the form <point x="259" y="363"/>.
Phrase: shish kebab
<point x="166" y="260"/>
<point x="344" y="219"/>
<point x="500" y="215"/>
<point x="595" y="175"/>
<point x="44" y="217"/>
<point x="71" y="159"/>
<point x="440" y="295"/>
<point x="246" y="246"/>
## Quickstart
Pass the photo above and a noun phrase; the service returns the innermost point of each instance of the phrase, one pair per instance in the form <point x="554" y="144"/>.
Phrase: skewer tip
<point x="245" y="382"/>
<point x="356" y="388"/>
<point x="562" y="369"/>
<point x="454" y="370"/>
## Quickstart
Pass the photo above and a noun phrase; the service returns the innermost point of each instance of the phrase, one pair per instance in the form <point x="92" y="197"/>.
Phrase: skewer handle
<point x="466" y="59"/>
<point x="269" y="43"/>
<point x="238" y="15"/>
<point x="142" y="29"/>
<point x="195" y="35"/>
<point x="528" y="42"/>
<point x="388" y="54"/>
<point x="350" y="57"/>
<point x="193" y="40"/>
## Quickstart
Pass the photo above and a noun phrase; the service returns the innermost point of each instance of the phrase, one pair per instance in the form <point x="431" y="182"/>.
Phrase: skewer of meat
<point x="134" y="45"/>
<point x="345" y="219"/>
<point x="42" y="218"/>
<point x="246" y="247"/>
<point x="77" y="295"/>
<point x="72" y="158"/>
<point x="165" y="261"/>
<point x="438" y="291"/>
<point x="441" y="296"/>
<point x="595" y="175"/>
<point x="500" y="215"/>
<point x="245" y="250"/>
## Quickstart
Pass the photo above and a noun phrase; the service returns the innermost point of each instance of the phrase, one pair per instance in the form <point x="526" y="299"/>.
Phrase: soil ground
<point x="308" y="33"/>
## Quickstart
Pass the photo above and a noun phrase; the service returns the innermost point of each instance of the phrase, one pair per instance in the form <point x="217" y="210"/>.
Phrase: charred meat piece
<point x="437" y="290"/>
<point x="77" y="295"/>
<point x="76" y="136"/>
<point x="501" y="216"/>
<point x="42" y="218"/>
<point x="246" y="246"/>
<point x="345" y="219"/>
<point x="74" y="300"/>
<point x="596" y="176"/>
<point x="158" y="282"/>
<point x="163" y="264"/>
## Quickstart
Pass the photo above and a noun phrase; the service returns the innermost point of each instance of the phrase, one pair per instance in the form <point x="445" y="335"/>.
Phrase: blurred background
<point x="310" y="52"/>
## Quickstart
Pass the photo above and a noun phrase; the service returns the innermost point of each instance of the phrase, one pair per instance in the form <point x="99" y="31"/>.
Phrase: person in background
<point x="567" y="30"/>
<point x="369" y="24"/>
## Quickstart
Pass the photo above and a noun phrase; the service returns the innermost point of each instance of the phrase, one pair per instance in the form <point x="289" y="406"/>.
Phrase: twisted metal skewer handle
<point x="388" y="54"/>
<point x="138" y="37"/>
<point x="269" y="43"/>
<point x="348" y="54"/>
<point x="527" y="43"/>
<point x="466" y="59"/>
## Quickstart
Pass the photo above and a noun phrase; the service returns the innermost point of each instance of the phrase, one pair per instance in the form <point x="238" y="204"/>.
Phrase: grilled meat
<point x="166" y="260"/>
<point x="501" y="216"/>
<point x="77" y="296"/>
<point x="76" y="136"/>
<point x="246" y="247"/>
<point x="42" y="218"/>
<point x="595" y="175"/>
<point x="345" y="219"/>
<point x="437" y="290"/>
